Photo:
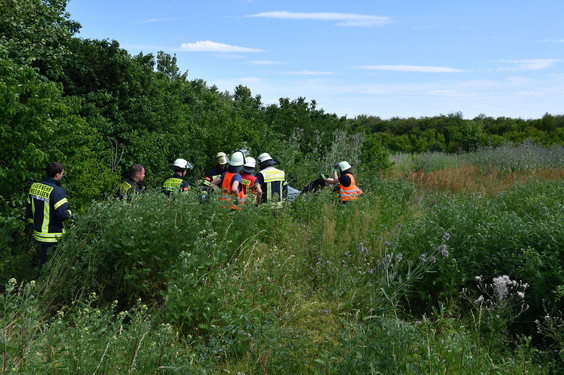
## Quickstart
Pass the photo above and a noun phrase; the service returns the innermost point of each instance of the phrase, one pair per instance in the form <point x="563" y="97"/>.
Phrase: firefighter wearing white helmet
<point x="272" y="181"/>
<point x="177" y="183"/>
<point x="220" y="165"/>
<point x="231" y="182"/>
<point x="251" y="186"/>
<point x="348" y="190"/>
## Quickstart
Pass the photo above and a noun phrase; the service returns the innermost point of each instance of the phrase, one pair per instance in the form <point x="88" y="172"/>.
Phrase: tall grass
<point x="506" y="158"/>
<point x="384" y="285"/>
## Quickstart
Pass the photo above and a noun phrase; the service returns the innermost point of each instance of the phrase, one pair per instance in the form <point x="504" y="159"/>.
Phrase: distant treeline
<point x="452" y="133"/>
<point x="96" y="108"/>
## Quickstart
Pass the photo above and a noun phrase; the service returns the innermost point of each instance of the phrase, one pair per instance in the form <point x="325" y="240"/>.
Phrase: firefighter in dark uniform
<point x="221" y="164"/>
<point x="133" y="185"/>
<point x="47" y="209"/>
<point x="272" y="182"/>
<point x="177" y="183"/>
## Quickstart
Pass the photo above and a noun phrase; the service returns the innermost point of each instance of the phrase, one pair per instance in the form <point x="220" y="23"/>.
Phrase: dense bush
<point x="518" y="234"/>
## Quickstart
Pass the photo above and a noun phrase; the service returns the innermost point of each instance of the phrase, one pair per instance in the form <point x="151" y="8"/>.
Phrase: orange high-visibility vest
<point x="227" y="194"/>
<point x="350" y="192"/>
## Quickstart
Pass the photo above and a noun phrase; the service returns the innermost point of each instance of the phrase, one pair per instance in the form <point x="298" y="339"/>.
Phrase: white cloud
<point x="342" y="19"/>
<point x="209" y="46"/>
<point x="153" y="20"/>
<point x="413" y="68"/>
<point x="529" y="64"/>
<point x="266" y="62"/>
<point x="552" y="41"/>
<point x="308" y="73"/>
<point x="449" y="93"/>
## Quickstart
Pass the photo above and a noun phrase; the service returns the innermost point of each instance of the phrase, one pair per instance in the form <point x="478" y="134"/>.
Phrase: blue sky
<point x="382" y="58"/>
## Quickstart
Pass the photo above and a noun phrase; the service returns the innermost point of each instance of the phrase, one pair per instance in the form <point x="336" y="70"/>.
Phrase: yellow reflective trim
<point x="172" y="183"/>
<point x="60" y="203"/>
<point x="47" y="237"/>
<point x="46" y="212"/>
<point x="274" y="175"/>
<point x="124" y="187"/>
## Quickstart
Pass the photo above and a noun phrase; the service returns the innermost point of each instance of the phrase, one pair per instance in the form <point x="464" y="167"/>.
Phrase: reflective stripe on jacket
<point x="47" y="208"/>
<point x="175" y="184"/>
<point x="212" y="175"/>
<point x="128" y="189"/>
<point x="273" y="185"/>
<point x="350" y="192"/>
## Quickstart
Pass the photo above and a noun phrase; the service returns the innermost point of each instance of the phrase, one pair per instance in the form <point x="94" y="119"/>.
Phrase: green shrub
<point x="122" y="249"/>
<point x="517" y="234"/>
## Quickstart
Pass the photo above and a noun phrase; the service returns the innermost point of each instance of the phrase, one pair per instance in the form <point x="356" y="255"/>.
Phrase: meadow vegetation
<point x="411" y="279"/>
<point x="452" y="261"/>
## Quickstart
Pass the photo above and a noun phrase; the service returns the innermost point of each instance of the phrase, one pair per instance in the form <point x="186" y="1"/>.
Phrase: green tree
<point x="375" y="156"/>
<point x="472" y="135"/>
<point x="167" y="64"/>
<point x="36" y="33"/>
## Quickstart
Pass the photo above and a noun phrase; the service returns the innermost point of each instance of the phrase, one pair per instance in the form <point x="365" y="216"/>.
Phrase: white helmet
<point x="250" y="165"/>
<point x="181" y="164"/>
<point x="344" y="166"/>
<point x="244" y="151"/>
<point x="265" y="160"/>
<point x="221" y="158"/>
<point x="236" y="162"/>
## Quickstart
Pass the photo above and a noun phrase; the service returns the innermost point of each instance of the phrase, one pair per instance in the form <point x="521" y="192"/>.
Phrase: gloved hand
<point x="336" y="168"/>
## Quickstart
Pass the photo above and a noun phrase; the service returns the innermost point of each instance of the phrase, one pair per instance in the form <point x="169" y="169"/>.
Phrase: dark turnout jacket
<point x="47" y="208"/>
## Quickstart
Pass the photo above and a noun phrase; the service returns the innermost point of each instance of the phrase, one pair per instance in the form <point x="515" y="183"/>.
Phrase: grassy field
<point x="448" y="264"/>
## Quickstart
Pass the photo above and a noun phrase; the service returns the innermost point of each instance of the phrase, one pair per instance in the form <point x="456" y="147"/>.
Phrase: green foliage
<point x="375" y="156"/>
<point x="36" y="33"/>
<point x="29" y="115"/>
<point x="126" y="247"/>
<point x="517" y="234"/>
<point x="84" y="338"/>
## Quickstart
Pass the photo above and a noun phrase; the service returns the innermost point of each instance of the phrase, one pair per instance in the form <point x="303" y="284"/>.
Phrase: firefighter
<point x="47" y="209"/>
<point x="272" y="181"/>
<point x="348" y="190"/>
<point x="177" y="183"/>
<point x="251" y="186"/>
<point x="134" y="184"/>
<point x="217" y="171"/>
<point x="231" y="183"/>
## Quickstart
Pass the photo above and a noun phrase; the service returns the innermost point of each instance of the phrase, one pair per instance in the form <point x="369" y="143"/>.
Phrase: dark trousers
<point x="45" y="247"/>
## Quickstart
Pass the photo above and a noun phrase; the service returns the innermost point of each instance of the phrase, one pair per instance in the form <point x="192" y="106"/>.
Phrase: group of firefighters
<point x="234" y="177"/>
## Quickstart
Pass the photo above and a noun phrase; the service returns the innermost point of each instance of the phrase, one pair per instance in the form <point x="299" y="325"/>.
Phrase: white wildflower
<point x="521" y="295"/>
<point x="500" y="285"/>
